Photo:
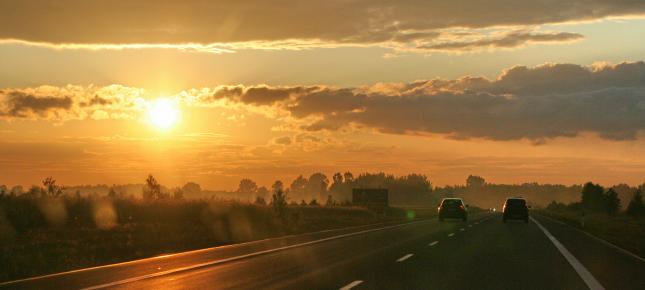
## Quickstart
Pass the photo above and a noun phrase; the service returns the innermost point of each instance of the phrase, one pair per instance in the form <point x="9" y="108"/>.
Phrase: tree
<point x="191" y="188"/>
<point x="317" y="185"/>
<point x="554" y="205"/>
<point x="348" y="177"/>
<point x="474" y="181"/>
<point x="277" y="185"/>
<point x="279" y="201"/>
<point x="152" y="189"/>
<point x="3" y="190"/>
<point x="178" y="193"/>
<point x="636" y="206"/>
<point x="313" y="202"/>
<point x="337" y="183"/>
<point x="35" y="191"/>
<point x="337" y="178"/>
<point x="298" y="185"/>
<point x="112" y="192"/>
<point x="262" y="192"/>
<point x="17" y="190"/>
<point x="247" y="186"/>
<point x="51" y="188"/>
<point x="330" y="201"/>
<point x="612" y="202"/>
<point x="260" y="201"/>
<point x="593" y="198"/>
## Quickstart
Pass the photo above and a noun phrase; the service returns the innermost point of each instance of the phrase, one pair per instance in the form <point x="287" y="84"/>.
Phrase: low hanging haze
<point x="215" y="91"/>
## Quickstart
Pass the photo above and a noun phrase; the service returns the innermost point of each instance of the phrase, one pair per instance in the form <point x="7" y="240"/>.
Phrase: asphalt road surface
<point x="483" y="253"/>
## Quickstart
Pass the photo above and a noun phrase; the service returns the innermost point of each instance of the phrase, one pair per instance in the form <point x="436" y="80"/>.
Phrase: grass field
<point x="621" y="230"/>
<point x="40" y="236"/>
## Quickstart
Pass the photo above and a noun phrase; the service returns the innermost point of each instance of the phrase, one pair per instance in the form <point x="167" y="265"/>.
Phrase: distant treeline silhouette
<point x="319" y="189"/>
<point x="596" y="199"/>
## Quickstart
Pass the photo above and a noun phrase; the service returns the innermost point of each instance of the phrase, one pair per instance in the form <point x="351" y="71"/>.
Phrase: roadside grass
<point x="621" y="230"/>
<point x="41" y="236"/>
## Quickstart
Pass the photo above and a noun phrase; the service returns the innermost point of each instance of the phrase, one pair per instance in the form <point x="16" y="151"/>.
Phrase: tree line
<point x="597" y="199"/>
<point x="411" y="189"/>
<point x="315" y="189"/>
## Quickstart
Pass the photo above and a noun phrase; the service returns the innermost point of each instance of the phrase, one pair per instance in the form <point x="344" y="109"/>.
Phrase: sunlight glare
<point x="163" y="113"/>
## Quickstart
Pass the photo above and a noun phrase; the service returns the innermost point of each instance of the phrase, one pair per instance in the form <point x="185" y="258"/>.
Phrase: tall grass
<point x="622" y="230"/>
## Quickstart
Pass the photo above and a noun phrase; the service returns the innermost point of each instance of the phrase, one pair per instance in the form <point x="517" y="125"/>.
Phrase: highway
<point x="483" y="253"/>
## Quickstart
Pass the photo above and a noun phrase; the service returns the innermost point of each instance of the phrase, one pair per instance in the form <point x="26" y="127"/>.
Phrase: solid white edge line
<point x="205" y="264"/>
<point x="586" y="276"/>
<point x="184" y="253"/>
<point x="404" y="258"/>
<point x="351" y="285"/>
<point x="619" y="249"/>
<point x="433" y="243"/>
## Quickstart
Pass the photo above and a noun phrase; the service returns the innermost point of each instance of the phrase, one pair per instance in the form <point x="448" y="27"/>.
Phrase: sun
<point x="163" y="113"/>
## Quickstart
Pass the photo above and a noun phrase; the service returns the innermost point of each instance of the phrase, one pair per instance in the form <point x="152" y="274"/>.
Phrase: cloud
<point x="258" y="95"/>
<point x="70" y="102"/>
<point x="534" y="103"/>
<point x="285" y="140"/>
<point x="21" y="104"/>
<point x="510" y="40"/>
<point x="214" y="26"/>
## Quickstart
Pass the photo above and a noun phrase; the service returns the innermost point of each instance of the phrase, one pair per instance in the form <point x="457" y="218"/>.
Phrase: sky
<point x="215" y="91"/>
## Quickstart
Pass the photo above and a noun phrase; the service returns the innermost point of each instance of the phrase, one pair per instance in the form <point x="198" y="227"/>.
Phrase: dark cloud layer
<point x="538" y="103"/>
<point x="510" y="40"/>
<point x="336" y="21"/>
<point x="259" y="95"/>
<point x="20" y="104"/>
<point x="69" y="102"/>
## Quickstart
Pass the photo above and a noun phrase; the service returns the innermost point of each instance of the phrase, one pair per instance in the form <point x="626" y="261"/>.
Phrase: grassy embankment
<point x="621" y="230"/>
<point x="40" y="236"/>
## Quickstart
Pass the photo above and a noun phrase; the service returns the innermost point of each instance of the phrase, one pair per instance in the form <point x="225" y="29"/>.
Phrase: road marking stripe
<point x="626" y="252"/>
<point x="462" y="229"/>
<point x="433" y="243"/>
<point x="586" y="276"/>
<point x="205" y="264"/>
<point x="451" y="234"/>
<point x="351" y="285"/>
<point x="189" y="252"/>
<point x="405" y="257"/>
<point x="470" y="226"/>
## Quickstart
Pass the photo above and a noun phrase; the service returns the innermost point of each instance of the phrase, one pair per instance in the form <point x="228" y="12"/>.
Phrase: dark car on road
<point x="453" y="208"/>
<point x="516" y="208"/>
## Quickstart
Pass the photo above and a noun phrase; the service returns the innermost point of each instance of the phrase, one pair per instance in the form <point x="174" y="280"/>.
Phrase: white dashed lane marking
<point x="451" y="234"/>
<point x="433" y="243"/>
<point x="351" y="285"/>
<point x="405" y="258"/>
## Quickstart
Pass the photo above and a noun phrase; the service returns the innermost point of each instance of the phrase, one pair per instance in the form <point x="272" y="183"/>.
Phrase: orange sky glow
<point x="221" y="91"/>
